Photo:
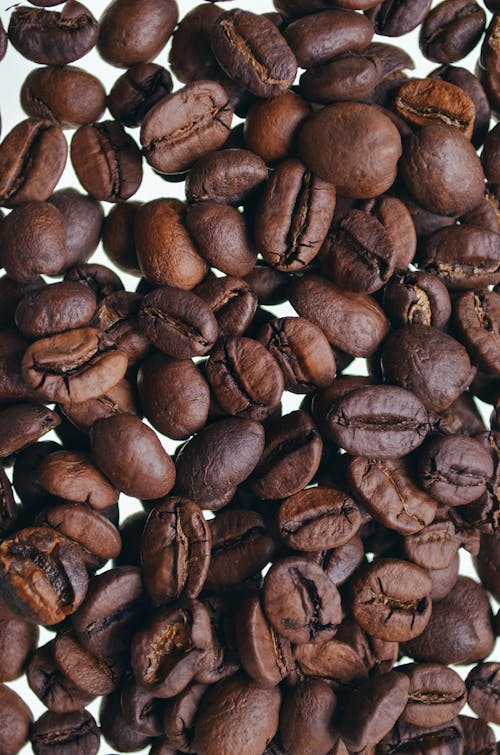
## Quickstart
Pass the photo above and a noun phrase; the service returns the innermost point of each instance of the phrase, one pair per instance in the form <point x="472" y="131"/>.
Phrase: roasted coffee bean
<point x="132" y="32"/>
<point x="320" y="37"/>
<point x="346" y="78"/>
<point x="302" y="352"/>
<point x="300" y="601"/>
<point x="118" y="237"/>
<point x="179" y="716"/>
<point x="434" y="547"/>
<point x="117" y="731"/>
<point x="141" y="711"/>
<point x="245" y="378"/>
<point x="437" y="694"/>
<point x="482" y="691"/>
<point x="241" y="547"/>
<point x="390" y="599"/>
<point x="111" y="612"/>
<point x="306" y="716"/>
<point x="18" y="640"/>
<point x="139" y="467"/>
<point x="23" y="424"/>
<point x="253" y="53"/>
<point x="442" y="171"/>
<point x="463" y="257"/>
<point x="377" y="656"/>
<point x="65" y="733"/>
<point x="417" y="299"/>
<point x="73" y="366"/>
<point x="11" y="293"/>
<point x="53" y="37"/>
<point x="318" y="519"/>
<point x="136" y="91"/>
<point x="43" y="575"/>
<point x="462" y="621"/>
<point x="477" y="318"/>
<point x="226" y="717"/>
<point x="93" y="675"/>
<point x="472" y="87"/>
<point x="165" y="250"/>
<point x="373" y="709"/>
<point x="117" y="317"/>
<point x="454" y="469"/>
<point x="83" y="216"/>
<point x="362" y="142"/>
<point x="451" y="30"/>
<point x="330" y="660"/>
<point x="406" y="738"/>
<point x="293" y="216"/>
<point x="50" y="685"/>
<point x="478" y="736"/>
<point x="489" y="156"/>
<point x="233" y="302"/>
<point x="101" y="279"/>
<point x="54" y="309"/>
<point x="175" y="551"/>
<point x="121" y="399"/>
<point x="168" y="652"/>
<point x="227" y="176"/>
<point x="427" y="101"/>
<point x="272" y="126"/>
<point x="430" y="363"/>
<point x="387" y="491"/>
<point x="341" y="562"/>
<point x="462" y="416"/>
<point x="351" y="322"/>
<point x="67" y="95"/>
<point x="291" y="456"/>
<point x="185" y="126"/>
<point x="191" y="55"/>
<point x="107" y="161"/>
<point x="16" y="720"/>
<point x="393" y="20"/>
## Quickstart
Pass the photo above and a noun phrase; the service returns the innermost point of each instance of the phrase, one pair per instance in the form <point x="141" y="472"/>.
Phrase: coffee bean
<point x="16" y="720"/>
<point x="427" y="101"/>
<point x="136" y="91"/>
<point x="417" y="299"/>
<point x="83" y="216"/>
<point x="233" y="302"/>
<point x="393" y="20"/>
<point x="53" y="37"/>
<point x="58" y="733"/>
<point x="179" y="716"/>
<point x="67" y="95"/>
<point x="287" y="113"/>
<point x="252" y="52"/>
<point x="227" y="176"/>
<point x="482" y="691"/>
<point x="391" y="599"/>
<point x="191" y="55"/>
<point x="477" y="315"/>
<point x="320" y="37"/>
<point x="478" y="736"/>
<point x="23" y="424"/>
<point x="305" y="717"/>
<point x="346" y="78"/>
<point x="101" y="279"/>
<point x="175" y="550"/>
<point x="3" y="41"/>
<point x="121" y="399"/>
<point x="405" y="737"/>
<point x="241" y="547"/>
<point x="50" y="685"/>
<point x="185" y="126"/>
<point x="451" y="30"/>
<point x="472" y="87"/>
<point x="93" y="675"/>
<point x="18" y="641"/>
<point x="332" y="659"/>
<point x="117" y="731"/>
<point x="434" y="547"/>
<point x="463" y="257"/>
<point x="54" y="309"/>
<point x="486" y="562"/>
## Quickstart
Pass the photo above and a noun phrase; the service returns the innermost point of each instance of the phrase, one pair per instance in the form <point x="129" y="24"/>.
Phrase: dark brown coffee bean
<point x="107" y="161"/>
<point x="454" y="469"/>
<point x="15" y="720"/>
<point x="245" y="379"/>
<point x="23" y="424"/>
<point x="393" y="20"/>
<point x="33" y="241"/>
<point x="350" y="151"/>
<point x="373" y="709"/>
<point x="165" y="250"/>
<point x="477" y="318"/>
<point x="116" y="729"/>
<point x="331" y="660"/>
<point x="290" y="458"/>
<point x="463" y="257"/>
<point x="387" y="491"/>
<point x="185" y="126"/>
<point x="67" y="95"/>
<point x="227" y="176"/>
<point x="53" y="37"/>
<point x="121" y="399"/>
<point x="43" y="575"/>
<point x="341" y="563"/>
<point x="73" y="366"/>
<point x="140" y="467"/>
<point x="442" y="171"/>
<point x="437" y="694"/>
<point x="379" y="422"/>
<point x="490" y="154"/>
<point x="175" y="551"/>
<point x="179" y="717"/>
<point x="50" y="685"/>
<point x="440" y="372"/>
<point x="293" y="216"/>
<point x="451" y="30"/>
<point x="101" y="279"/>
<point x="65" y="734"/>
<point x="462" y="622"/>
<point x="483" y="683"/>
<point x="472" y="87"/>
<point x="417" y="299"/>
<point x="302" y="352"/>
<point x="141" y="711"/>
<point x="178" y="322"/>
<point x="391" y="599"/>
<point x="300" y="601"/>
<point x="221" y="236"/>
<point x="346" y="78"/>
<point x="306" y="716"/>
<point x="54" y="309"/>
<point x="93" y="675"/>
<point x="241" y="547"/>
<point x="352" y="322"/>
<point x="118" y="237"/>
<point x="319" y="37"/>
<point x="226" y="718"/>
<point x="111" y="612"/>
<point x="286" y="113"/>
<point x="427" y="101"/>
<point x="478" y="736"/>
<point x="168" y="652"/>
<point x="253" y="53"/>
<point x="83" y="216"/>
<point x="220" y="457"/>
<point x="191" y="55"/>
<point x="18" y="641"/>
<point x="233" y="302"/>
<point x="136" y="91"/>
<point x="434" y="547"/>
<point x="462" y="416"/>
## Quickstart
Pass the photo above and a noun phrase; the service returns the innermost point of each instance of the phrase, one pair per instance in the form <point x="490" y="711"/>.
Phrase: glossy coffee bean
<point x="23" y="424"/>
<point x="320" y="37"/>
<point x="482" y="691"/>
<point x="477" y="315"/>
<point x="121" y="399"/>
<point x="191" y="55"/>
<point x="306" y="716"/>
<point x="393" y="20"/>
<point x="179" y="715"/>
<point x="118" y="237"/>
<point x="472" y="87"/>
<point x="426" y="101"/>
<point x="83" y="216"/>
<point x="233" y="302"/>
<point x="227" y="176"/>
<point x="54" y="309"/>
<point x="241" y="547"/>
<point x="272" y="126"/>
<point x="93" y="675"/>
<point x="59" y="733"/>
<point x="136" y="91"/>
<point x="463" y="257"/>
<point x="451" y="30"/>
<point x="437" y="694"/>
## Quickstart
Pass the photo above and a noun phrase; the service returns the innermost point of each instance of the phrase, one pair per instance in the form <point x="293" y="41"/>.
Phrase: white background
<point x="13" y="71"/>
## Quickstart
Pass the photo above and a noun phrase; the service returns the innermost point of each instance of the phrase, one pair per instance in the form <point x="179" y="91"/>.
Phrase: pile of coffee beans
<point x="291" y="582"/>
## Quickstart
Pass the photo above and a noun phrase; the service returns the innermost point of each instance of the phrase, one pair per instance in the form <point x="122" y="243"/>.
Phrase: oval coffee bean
<point x="23" y="424"/>
<point x="437" y="694"/>
<point x="451" y="30"/>
<point x="425" y="101"/>
<point x="417" y="299"/>
<point x="306" y="714"/>
<point x="463" y="257"/>
<point x="233" y="302"/>
<point x="54" y="309"/>
<point x="393" y="20"/>
<point x="16" y="721"/>
<point x="241" y="547"/>
<point x="18" y="642"/>
<point x="58" y="733"/>
<point x="92" y="674"/>
<point x="136" y="91"/>
<point x="175" y="550"/>
<point x="287" y="112"/>
<point x="228" y="176"/>
<point x="300" y="601"/>
<point x="185" y="126"/>
<point x="483" y="684"/>
<point x="50" y="685"/>
<point x="391" y="599"/>
<point x="83" y="216"/>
